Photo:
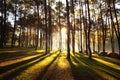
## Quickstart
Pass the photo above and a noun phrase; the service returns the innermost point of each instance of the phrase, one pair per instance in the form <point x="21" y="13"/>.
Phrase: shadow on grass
<point x="17" y="68"/>
<point x="93" y="69"/>
<point x="108" y="59"/>
<point x="81" y="72"/>
<point x="12" y="66"/>
<point x="15" y="54"/>
<point x="41" y="75"/>
<point x="104" y="68"/>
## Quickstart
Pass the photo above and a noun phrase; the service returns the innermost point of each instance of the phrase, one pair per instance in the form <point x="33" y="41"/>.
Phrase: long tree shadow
<point x="41" y="75"/>
<point x="100" y="68"/>
<point x="81" y="72"/>
<point x="108" y="59"/>
<point x="14" y="54"/>
<point x="109" y="70"/>
<point x="17" y="68"/>
<point x="59" y="69"/>
<point x="11" y="66"/>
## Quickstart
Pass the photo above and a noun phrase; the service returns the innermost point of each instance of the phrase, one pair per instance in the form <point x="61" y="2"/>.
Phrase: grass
<point x="30" y="64"/>
<point x="94" y="69"/>
<point x="59" y="70"/>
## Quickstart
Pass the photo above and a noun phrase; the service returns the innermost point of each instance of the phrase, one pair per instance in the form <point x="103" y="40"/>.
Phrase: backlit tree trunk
<point x="112" y="29"/>
<point x="14" y="29"/>
<point x="73" y="27"/>
<point x="46" y="35"/>
<point x="117" y="30"/>
<point x="89" y="28"/>
<point x="68" y="30"/>
<point x="3" y="19"/>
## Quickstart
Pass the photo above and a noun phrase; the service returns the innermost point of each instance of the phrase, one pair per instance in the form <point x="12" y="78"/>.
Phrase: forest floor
<point x="30" y="64"/>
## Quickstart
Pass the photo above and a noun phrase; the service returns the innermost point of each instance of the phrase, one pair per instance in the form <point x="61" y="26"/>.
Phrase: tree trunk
<point x="46" y="35"/>
<point x="99" y="39"/>
<point x="117" y="31"/>
<point x="68" y="30"/>
<point x="34" y="39"/>
<point x="20" y="35"/>
<point x="27" y="38"/>
<point x="81" y="13"/>
<point x="112" y="29"/>
<point x="73" y="27"/>
<point x="13" y="34"/>
<point x="85" y="30"/>
<point x="60" y="40"/>
<point x="49" y="26"/>
<point x="89" y="28"/>
<point x="1" y="25"/>
<point x="94" y="36"/>
<point x="30" y="37"/>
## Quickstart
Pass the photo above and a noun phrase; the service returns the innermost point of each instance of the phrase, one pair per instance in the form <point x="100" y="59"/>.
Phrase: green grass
<point x="94" y="69"/>
<point x="30" y="64"/>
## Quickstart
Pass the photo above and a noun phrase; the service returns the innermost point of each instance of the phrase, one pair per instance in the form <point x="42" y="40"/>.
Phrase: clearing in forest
<point x="27" y="64"/>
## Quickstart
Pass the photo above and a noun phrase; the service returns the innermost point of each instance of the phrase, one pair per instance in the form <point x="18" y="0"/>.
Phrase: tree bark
<point x="112" y="29"/>
<point x="37" y="27"/>
<point x="1" y="25"/>
<point x="117" y="31"/>
<point x="68" y="30"/>
<point x="13" y="34"/>
<point x="46" y="35"/>
<point x="73" y="27"/>
<point x="89" y="28"/>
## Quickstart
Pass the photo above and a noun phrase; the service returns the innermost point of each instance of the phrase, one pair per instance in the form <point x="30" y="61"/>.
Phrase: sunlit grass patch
<point x="80" y="70"/>
<point x="5" y="63"/>
<point x="12" y="54"/>
<point x="111" y="62"/>
<point x="19" y="67"/>
<point x="33" y="71"/>
<point x="60" y="69"/>
<point x="54" y="51"/>
<point x="107" y="73"/>
<point x="100" y="71"/>
<point x="15" y="70"/>
<point x="64" y="51"/>
<point x="62" y="62"/>
<point x="39" y="51"/>
<point x="114" y="60"/>
<point x="7" y="70"/>
<point x="108" y="63"/>
<point x="34" y="67"/>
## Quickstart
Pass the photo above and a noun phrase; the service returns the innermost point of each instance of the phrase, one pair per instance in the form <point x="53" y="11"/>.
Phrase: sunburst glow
<point x="64" y="31"/>
<point x="64" y="38"/>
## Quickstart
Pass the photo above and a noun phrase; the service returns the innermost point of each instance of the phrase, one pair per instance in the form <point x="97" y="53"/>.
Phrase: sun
<point x="63" y="30"/>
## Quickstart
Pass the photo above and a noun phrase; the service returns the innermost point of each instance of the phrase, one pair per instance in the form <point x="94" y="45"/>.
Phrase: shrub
<point x="113" y="55"/>
<point x="103" y="53"/>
